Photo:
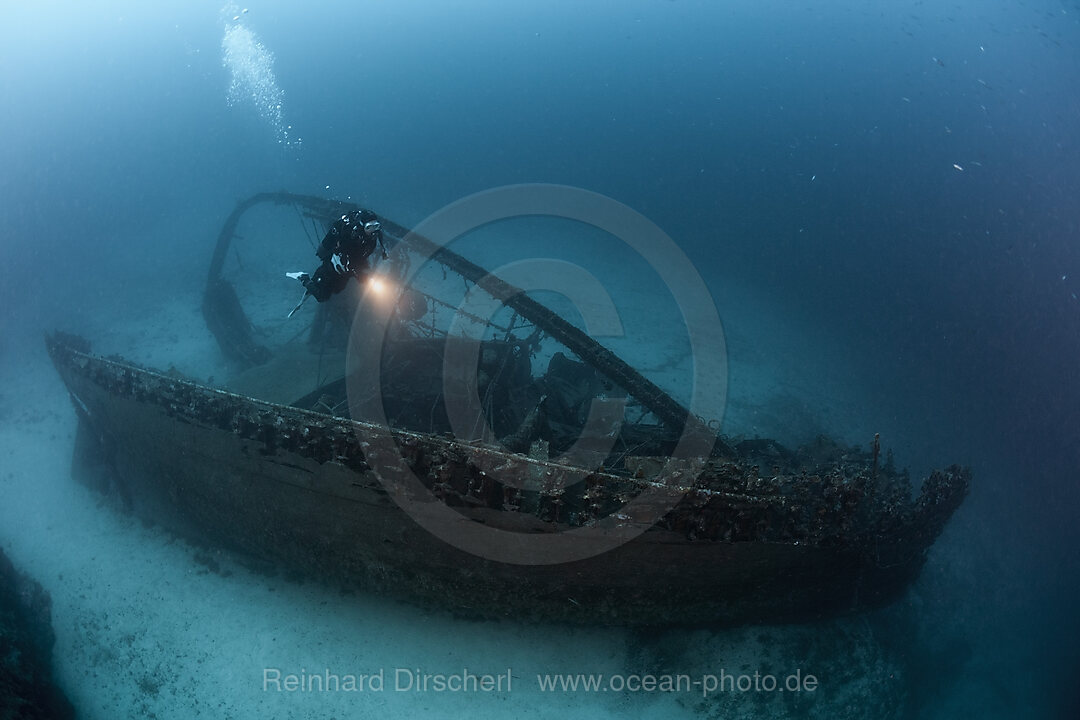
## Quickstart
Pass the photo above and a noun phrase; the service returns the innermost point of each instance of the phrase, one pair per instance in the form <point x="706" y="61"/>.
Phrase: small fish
<point x="813" y="178"/>
<point x="958" y="167"/>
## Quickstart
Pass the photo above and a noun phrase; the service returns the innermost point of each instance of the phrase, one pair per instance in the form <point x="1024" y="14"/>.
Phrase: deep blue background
<point x="809" y="146"/>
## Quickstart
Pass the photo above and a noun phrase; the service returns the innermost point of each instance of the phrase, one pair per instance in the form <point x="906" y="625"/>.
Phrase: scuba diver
<point x="344" y="253"/>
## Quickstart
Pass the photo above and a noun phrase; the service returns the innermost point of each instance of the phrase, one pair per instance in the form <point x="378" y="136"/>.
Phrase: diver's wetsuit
<point x="344" y="253"/>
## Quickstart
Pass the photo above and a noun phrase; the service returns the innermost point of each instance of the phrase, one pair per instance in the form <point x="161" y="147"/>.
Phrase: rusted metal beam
<point x="667" y="409"/>
<point x="603" y="360"/>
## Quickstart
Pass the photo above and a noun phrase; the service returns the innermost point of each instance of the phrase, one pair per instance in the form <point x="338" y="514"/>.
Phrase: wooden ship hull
<point x="278" y="468"/>
<point x="293" y="487"/>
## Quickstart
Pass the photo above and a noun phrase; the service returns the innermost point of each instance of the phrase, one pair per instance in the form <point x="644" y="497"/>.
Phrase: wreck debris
<point x="235" y="340"/>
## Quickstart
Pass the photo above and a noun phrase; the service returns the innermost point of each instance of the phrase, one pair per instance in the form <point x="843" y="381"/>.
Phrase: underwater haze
<point x="881" y="197"/>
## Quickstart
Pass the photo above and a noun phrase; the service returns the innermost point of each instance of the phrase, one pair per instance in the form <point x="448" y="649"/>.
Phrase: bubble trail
<point x="251" y="65"/>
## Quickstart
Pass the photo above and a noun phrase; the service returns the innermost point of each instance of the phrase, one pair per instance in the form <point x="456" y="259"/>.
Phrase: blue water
<point x="903" y="177"/>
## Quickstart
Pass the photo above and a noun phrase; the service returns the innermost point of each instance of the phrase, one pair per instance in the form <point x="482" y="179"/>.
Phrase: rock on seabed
<point x="27" y="690"/>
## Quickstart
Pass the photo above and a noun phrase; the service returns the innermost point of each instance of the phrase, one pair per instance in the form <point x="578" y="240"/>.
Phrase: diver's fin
<point x="293" y="311"/>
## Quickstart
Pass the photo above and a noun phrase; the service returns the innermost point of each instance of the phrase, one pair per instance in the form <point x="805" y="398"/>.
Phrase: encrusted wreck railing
<point x="838" y="500"/>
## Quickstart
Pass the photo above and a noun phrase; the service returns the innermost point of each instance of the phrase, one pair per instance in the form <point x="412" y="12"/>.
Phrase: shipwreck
<point x="296" y="462"/>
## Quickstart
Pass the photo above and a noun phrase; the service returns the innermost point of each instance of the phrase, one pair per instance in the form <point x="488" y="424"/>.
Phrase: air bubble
<point x="252" y="68"/>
